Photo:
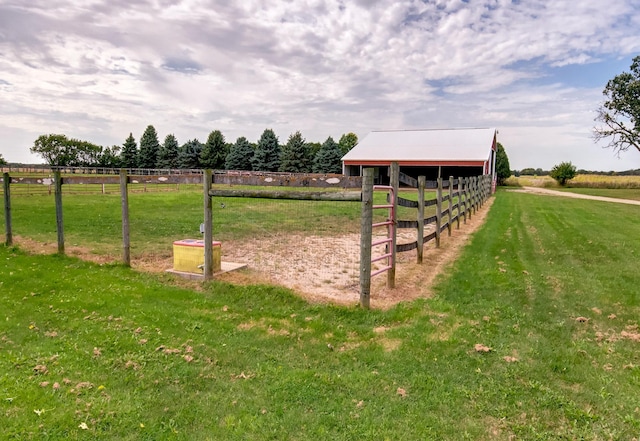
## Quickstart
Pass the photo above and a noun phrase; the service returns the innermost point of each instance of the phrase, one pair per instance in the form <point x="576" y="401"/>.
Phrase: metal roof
<point x="424" y="145"/>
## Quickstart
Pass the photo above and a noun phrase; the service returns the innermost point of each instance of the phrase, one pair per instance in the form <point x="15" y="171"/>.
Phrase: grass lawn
<point x="620" y="193"/>
<point x="533" y="335"/>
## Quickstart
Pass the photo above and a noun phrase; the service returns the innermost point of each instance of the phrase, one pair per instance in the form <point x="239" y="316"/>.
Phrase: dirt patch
<point x="568" y="194"/>
<point x="320" y="269"/>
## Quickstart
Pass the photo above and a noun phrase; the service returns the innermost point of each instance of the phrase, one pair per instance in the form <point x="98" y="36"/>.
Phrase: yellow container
<point x="188" y="256"/>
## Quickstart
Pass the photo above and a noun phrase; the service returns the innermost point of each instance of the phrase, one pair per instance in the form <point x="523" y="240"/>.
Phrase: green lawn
<point x="103" y="352"/>
<point x="620" y="193"/>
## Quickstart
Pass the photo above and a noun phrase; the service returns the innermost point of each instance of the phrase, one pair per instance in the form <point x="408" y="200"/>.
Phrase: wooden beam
<point x="208" y="225"/>
<point x="348" y="196"/>
<point x="420" y="244"/>
<point x="59" y="221"/>
<point x="394" y="176"/>
<point x="6" y="184"/>
<point x="124" y="202"/>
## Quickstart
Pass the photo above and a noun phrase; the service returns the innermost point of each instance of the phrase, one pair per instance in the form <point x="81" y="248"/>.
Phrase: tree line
<point x="295" y="156"/>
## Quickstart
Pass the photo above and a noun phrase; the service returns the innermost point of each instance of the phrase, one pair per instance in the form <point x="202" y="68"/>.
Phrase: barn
<point x="431" y="152"/>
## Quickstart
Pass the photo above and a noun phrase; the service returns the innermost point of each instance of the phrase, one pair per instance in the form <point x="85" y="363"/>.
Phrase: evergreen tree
<point x="503" y="170"/>
<point x="240" y="155"/>
<point x="347" y="142"/>
<point x="149" y="146"/>
<point x="168" y="153"/>
<point x="189" y="155"/>
<point x="267" y="154"/>
<point x="294" y="157"/>
<point x="214" y="151"/>
<point x="2" y="160"/>
<point x="109" y="157"/>
<point x="129" y="154"/>
<point x="329" y="158"/>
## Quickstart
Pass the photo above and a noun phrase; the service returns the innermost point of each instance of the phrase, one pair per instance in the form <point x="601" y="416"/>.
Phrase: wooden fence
<point x="455" y="199"/>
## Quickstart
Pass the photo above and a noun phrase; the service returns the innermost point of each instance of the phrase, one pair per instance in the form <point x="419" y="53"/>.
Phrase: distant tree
<point x="58" y="150"/>
<point x="294" y="157"/>
<point x="329" y="158"/>
<point x="528" y="171"/>
<point x="503" y="171"/>
<point x="267" y="154"/>
<point x="168" y="153"/>
<point x="2" y="160"/>
<point x="189" y="155"/>
<point x="563" y="172"/>
<point x="109" y="157"/>
<point x="240" y="155"/>
<point x="347" y="142"/>
<point x="149" y="148"/>
<point x="313" y="148"/>
<point x="54" y="149"/>
<point x="620" y="113"/>
<point x="129" y="154"/>
<point x="214" y="153"/>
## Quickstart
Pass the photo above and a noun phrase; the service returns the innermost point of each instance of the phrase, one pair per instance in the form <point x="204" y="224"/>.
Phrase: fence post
<point x="59" y="222"/>
<point x="450" y="205"/>
<point x="366" y="227"/>
<point x="208" y="225"/>
<point x="124" y="202"/>
<point x="395" y="183"/>
<point x="438" y="211"/>
<point x="6" y="184"/>
<point x="459" y="203"/>
<point x="421" y="186"/>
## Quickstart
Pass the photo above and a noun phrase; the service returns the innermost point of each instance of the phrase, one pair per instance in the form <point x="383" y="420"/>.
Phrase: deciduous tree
<point x="2" y="160"/>
<point x="620" y="113"/>
<point x="149" y="147"/>
<point x="240" y="155"/>
<point x="563" y="172"/>
<point x="329" y="158"/>
<point x="267" y="153"/>
<point x="347" y="142"/>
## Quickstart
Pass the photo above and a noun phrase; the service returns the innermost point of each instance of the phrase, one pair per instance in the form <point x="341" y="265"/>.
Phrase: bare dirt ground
<point x="320" y="269"/>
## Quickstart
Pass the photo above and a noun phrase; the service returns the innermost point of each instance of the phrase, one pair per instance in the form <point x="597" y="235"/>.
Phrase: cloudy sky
<point x="100" y="69"/>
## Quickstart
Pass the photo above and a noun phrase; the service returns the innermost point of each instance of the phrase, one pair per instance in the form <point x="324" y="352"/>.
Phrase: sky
<point x="98" y="70"/>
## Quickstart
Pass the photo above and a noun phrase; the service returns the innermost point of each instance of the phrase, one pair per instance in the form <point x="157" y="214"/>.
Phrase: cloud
<point x="97" y="69"/>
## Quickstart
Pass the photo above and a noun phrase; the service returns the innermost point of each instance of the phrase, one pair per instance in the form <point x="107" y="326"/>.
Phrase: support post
<point x="450" y="205"/>
<point x="438" y="212"/>
<point x="124" y="202"/>
<point x="208" y="225"/>
<point x="6" y="184"/>
<point x="459" y="193"/>
<point x="395" y="183"/>
<point x="422" y="182"/>
<point x="366" y="227"/>
<point x="59" y="222"/>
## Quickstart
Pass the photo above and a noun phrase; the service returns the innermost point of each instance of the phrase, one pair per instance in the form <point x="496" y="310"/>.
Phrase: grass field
<point x="533" y="335"/>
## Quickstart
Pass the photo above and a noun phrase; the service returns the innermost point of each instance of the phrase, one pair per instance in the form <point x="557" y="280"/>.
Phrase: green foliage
<point x="240" y="155"/>
<point x="329" y="158"/>
<point x="189" y="155"/>
<point x="214" y="152"/>
<point x="149" y="147"/>
<point x="503" y="170"/>
<point x="129" y="154"/>
<point x="294" y="157"/>
<point x="267" y="154"/>
<point x="563" y="172"/>
<point x="58" y="150"/>
<point x="110" y="157"/>
<point x="620" y="113"/>
<point x="2" y="160"/>
<point x="347" y="142"/>
<point x="168" y="153"/>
